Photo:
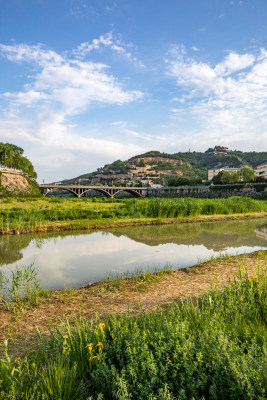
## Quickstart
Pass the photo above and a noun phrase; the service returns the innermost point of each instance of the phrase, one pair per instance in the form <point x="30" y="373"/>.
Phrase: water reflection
<point x="76" y="258"/>
<point x="217" y="236"/>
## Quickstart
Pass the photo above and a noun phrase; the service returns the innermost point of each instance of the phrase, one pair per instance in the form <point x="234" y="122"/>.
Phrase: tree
<point x="224" y="177"/>
<point x="182" y="181"/>
<point x="12" y="156"/>
<point x="247" y="174"/>
<point x="210" y="150"/>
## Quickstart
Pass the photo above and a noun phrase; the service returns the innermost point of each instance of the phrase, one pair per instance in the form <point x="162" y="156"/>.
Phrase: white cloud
<point x="22" y="52"/>
<point x="106" y="41"/>
<point x="61" y="87"/>
<point x="143" y="136"/>
<point x="234" y="62"/>
<point x="70" y="84"/>
<point x="227" y="100"/>
<point x="197" y="76"/>
<point x="66" y="80"/>
<point x="58" y="153"/>
<point x="119" y="123"/>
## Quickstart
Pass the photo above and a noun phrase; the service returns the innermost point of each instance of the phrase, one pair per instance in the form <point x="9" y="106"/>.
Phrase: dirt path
<point x="123" y="296"/>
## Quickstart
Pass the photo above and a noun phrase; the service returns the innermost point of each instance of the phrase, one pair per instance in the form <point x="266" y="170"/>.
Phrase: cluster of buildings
<point x="261" y="171"/>
<point x="219" y="150"/>
<point x="136" y="174"/>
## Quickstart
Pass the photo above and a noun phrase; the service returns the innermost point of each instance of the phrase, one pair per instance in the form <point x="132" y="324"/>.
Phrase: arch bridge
<point x="107" y="191"/>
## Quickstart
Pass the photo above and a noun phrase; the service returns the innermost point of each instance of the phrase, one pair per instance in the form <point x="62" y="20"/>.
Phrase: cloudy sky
<point x="87" y="82"/>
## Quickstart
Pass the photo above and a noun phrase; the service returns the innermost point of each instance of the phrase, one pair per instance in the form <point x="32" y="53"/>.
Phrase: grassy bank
<point x="48" y="214"/>
<point x="212" y="346"/>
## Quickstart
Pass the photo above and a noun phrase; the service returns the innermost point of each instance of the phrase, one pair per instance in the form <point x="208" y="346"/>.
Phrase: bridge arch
<point x="104" y="192"/>
<point x="60" y="188"/>
<point x="133" y="192"/>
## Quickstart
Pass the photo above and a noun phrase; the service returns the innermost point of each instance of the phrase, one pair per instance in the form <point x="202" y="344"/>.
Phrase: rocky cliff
<point x="17" y="183"/>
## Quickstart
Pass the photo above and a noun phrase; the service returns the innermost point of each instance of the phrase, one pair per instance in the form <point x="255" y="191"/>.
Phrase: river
<point x="73" y="259"/>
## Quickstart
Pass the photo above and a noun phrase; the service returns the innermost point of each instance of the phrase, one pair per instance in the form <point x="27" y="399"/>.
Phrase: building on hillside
<point x="218" y="150"/>
<point x="149" y="182"/>
<point x="114" y="177"/>
<point x="221" y="150"/>
<point x="261" y="170"/>
<point x="214" y="171"/>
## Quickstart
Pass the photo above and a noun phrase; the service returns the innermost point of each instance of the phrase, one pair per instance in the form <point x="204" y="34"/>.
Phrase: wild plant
<point x="213" y="347"/>
<point x="19" y="286"/>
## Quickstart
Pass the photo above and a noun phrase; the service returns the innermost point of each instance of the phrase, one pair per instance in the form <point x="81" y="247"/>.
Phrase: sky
<point x="86" y="82"/>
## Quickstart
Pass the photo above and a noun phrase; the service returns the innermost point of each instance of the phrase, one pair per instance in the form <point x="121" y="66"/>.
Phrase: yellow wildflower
<point x="102" y="326"/>
<point x="254" y="278"/>
<point x="66" y="350"/>
<point x="94" y="358"/>
<point x="90" y="346"/>
<point x="101" y="346"/>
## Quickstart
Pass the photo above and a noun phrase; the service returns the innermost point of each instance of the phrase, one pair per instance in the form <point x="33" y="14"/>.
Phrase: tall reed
<point x="29" y="216"/>
<point x="187" y="207"/>
<point x="20" y="285"/>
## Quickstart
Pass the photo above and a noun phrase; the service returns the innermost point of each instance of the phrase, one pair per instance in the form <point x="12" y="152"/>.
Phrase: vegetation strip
<point x="41" y="215"/>
<point x="212" y="347"/>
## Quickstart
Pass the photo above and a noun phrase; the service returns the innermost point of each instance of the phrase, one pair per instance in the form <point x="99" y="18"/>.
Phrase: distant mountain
<point x="158" y="168"/>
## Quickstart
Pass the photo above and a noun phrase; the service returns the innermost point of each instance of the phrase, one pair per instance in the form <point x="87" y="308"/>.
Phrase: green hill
<point x="157" y="167"/>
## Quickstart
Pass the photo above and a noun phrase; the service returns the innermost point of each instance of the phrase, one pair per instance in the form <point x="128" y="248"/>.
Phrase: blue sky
<point x="87" y="82"/>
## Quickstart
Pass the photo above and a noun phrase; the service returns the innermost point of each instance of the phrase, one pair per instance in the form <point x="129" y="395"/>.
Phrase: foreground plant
<point x="19" y="286"/>
<point x="214" y="347"/>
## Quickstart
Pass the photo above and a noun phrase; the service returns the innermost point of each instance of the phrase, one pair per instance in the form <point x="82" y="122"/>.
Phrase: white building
<point x="262" y="170"/>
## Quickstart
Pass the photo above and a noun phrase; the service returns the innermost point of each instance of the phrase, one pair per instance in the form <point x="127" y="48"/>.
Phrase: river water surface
<point x="73" y="259"/>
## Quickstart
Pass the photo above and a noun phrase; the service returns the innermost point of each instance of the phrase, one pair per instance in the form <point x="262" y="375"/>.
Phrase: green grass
<point x="138" y="276"/>
<point x="214" y="347"/>
<point x="188" y="207"/>
<point x="19" y="287"/>
<point x="20" y="215"/>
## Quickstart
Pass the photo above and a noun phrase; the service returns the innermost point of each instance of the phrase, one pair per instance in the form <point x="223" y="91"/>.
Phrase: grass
<point x="187" y="207"/>
<point x="138" y="277"/>
<point x="212" y="347"/>
<point x="29" y="215"/>
<point x="19" y="287"/>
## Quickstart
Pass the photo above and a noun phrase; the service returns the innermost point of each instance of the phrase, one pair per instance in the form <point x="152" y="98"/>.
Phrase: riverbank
<point x="195" y="333"/>
<point x="58" y="214"/>
<point x="134" y="295"/>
